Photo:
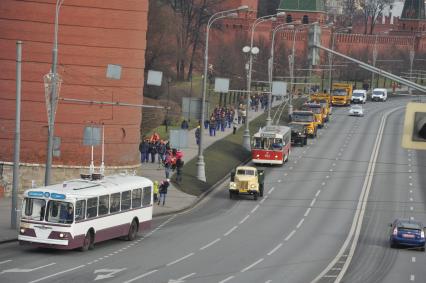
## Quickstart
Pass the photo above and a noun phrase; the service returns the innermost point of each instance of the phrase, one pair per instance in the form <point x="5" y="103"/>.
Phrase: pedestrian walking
<point x="184" y="125"/>
<point x="144" y="148"/>
<point x="156" y="185"/>
<point x="198" y="135"/>
<point x="163" y="191"/>
<point x="234" y="125"/>
<point x="153" y="150"/>
<point x="179" y="167"/>
<point x="168" y="164"/>
<point x="161" y="151"/>
<point x="212" y="126"/>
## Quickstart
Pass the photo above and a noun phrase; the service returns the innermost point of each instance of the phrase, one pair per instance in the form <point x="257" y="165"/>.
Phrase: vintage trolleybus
<point x="271" y="145"/>
<point x="79" y="213"/>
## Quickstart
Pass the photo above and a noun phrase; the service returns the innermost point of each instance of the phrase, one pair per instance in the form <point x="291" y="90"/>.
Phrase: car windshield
<point x="356" y="107"/>
<point x="377" y="92"/>
<point x="302" y="117"/>
<point x="60" y="212"/>
<point x="358" y="94"/>
<point x="409" y="225"/>
<point x="339" y="92"/>
<point x="245" y="172"/>
<point x="34" y="209"/>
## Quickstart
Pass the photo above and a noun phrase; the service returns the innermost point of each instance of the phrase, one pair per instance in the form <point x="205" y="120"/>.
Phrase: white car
<point x="356" y="110"/>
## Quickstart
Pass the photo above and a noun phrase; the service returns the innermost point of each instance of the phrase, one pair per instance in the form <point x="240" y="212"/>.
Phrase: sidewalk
<point x="176" y="200"/>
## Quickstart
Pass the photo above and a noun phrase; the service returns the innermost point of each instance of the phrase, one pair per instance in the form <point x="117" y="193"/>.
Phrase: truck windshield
<point x="340" y="92"/>
<point x="34" y="208"/>
<point x="60" y="212"/>
<point x="298" y="117"/>
<point x="245" y="172"/>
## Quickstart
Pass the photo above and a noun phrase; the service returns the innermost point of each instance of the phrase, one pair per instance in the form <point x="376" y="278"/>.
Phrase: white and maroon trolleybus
<point x="271" y="145"/>
<point x="82" y="212"/>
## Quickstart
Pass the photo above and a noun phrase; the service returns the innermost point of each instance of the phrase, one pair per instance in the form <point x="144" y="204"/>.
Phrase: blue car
<point x="408" y="233"/>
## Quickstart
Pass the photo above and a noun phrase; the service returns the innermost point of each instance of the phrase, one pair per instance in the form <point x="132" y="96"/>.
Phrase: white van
<point x="379" y="94"/>
<point x="359" y="96"/>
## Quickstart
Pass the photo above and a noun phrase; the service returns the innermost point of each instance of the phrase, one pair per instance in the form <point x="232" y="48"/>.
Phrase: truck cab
<point x="341" y="94"/>
<point x="307" y="119"/>
<point x="318" y="111"/>
<point x="246" y="180"/>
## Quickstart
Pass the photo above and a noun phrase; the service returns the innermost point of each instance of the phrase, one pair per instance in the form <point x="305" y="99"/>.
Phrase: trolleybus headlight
<point x="22" y="230"/>
<point x="257" y="156"/>
<point x="61" y="235"/>
<point x="276" y="156"/>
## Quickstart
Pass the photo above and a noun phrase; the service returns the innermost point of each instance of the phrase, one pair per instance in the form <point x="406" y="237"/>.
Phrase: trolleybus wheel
<point x="133" y="230"/>
<point x="88" y="242"/>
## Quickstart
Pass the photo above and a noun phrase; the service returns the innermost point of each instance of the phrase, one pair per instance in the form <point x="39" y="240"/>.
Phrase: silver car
<point x="356" y="110"/>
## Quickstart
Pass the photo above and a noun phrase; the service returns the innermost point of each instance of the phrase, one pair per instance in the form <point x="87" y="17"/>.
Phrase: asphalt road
<point x="292" y="234"/>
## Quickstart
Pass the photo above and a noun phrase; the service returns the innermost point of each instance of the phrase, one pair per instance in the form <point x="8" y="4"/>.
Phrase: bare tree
<point x="193" y="16"/>
<point x="371" y="10"/>
<point x="349" y="10"/>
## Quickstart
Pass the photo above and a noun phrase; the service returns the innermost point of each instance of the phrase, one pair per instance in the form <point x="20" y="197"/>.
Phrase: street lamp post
<point x="246" y="136"/>
<point x="201" y="172"/>
<point x="271" y="68"/>
<point x="375" y="53"/>
<point x="412" y="55"/>
<point x="53" y="97"/>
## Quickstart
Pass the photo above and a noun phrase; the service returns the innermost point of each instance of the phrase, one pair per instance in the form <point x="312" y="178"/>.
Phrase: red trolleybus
<point x="82" y="212"/>
<point x="271" y="145"/>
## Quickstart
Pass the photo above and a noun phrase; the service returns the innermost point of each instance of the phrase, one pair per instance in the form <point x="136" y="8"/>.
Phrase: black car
<point x="298" y="134"/>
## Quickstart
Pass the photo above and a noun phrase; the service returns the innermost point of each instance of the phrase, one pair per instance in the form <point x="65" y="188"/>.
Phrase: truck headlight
<point x="233" y="185"/>
<point x="252" y="186"/>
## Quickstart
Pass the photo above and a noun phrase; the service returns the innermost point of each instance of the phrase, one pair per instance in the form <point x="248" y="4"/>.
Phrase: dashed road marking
<point x="230" y="231"/>
<point x="300" y="223"/>
<point x="318" y="192"/>
<point x="307" y="212"/>
<point x="411" y="199"/>
<point x="141" y="276"/>
<point x="271" y="190"/>
<point x="5" y="261"/>
<point x="413" y="259"/>
<point x="411" y="218"/>
<point x="61" y="272"/>
<point x="313" y="202"/>
<point x="279" y="181"/>
<point x="411" y="184"/>
<point x="411" y="208"/>
<point x="275" y="249"/>
<point x="244" y="219"/>
<point x="412" y="277"/>
<point x="290" y="235"/>
<point x="180" y="259"/>
<point x="210" y="244"/>
<point x="323" y="184"/>
<point x="227" y="279"/>
<point x="254" y="209"/>
<point x="252" y="265"/>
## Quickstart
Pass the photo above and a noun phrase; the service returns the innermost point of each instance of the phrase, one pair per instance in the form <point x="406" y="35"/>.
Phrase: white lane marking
<point x="413" y="259"/>
<point x="331" y="170"/>
<point x="295" y="161"/>
<point x="336" y="268"/>
<point x="210" y="244"/>
<point x="290" y="235"/>
<point x="411" y="208"/>
<point x="410" y="177"/>
<point x="411" y="184"/>
<point x="409" y="159"/>
<point x="323" y="184"/>
<point x="411" y="218"/>
<point x="108" y="273"/>
<point x="285" y="174"/>
<point x="412" y="277"/>
<point x="269" y="281"/>
<point x="327" y="176"/>
<point x="271" y="190"/>
<point x="252" y="265"/>
<point x="62" y="272"/>
<point x="318" y="192"/>
<point x="300" y="223"/>
<point x="244" y="219"/>
<point x="355" y="230"/>
<point x="411" y="191"/>
<point x="255" y="208"/>
<point x="410" y="171"/>
<point x="279" y="181"/>
<point x="141" y="276"/>
<point x="307" y="212"/>
<point x="182" y="279"/>
<point x="180" y="259"/>
<point x="291" y="168"/>
<point x="411" y="199"/>
<point x="227" y="279"/>
<point x="334" y="164"/>
<point x="330" y="276"/>
<point x="313" y="202"/>
<point x="21" y="270"/>
<point x="275" y="249"/>
<point x="230" y="231"/>
<point x="339" y="154"/>
<point x="264" y="198"/>
<point x="5" y="261"/>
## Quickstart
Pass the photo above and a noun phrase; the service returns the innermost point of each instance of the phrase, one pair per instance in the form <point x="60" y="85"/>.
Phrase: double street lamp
<point x="201" y="172"/>
<point x="271" y="66"/>
<point x="249" y="49"/>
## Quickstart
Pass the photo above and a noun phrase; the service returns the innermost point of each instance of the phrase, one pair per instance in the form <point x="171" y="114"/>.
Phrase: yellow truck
<point x="317" y="97"/>
<point x="247" y="180"/>
<point x="318" y="111"/>
<point x="341" y="94"/>
<point x="325" y="100"/>
<point x="306" y="118"/>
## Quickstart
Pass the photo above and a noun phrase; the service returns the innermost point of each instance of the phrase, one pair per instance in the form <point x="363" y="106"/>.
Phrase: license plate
<point x="410" y="236"/>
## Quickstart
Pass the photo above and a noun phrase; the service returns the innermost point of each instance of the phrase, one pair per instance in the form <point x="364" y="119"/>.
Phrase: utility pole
<point x="374" y="64"/>
<point x="16" y="159"/>
<point x="412" y="55"/>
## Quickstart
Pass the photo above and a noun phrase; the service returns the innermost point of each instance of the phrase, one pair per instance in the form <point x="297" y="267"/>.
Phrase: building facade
<point x="92" y="35"/>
